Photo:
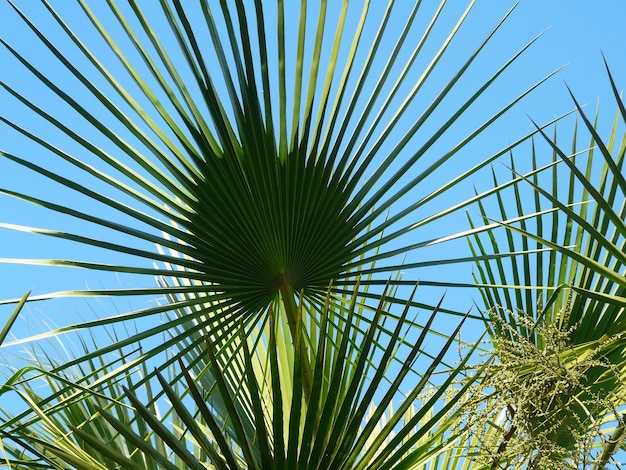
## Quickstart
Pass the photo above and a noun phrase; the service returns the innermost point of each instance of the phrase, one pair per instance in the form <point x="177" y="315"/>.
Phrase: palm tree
<point x="274" y="176"/>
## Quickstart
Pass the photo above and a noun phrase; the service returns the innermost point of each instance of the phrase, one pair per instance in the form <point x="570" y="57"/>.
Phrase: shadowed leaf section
<point x="261" y="223"/>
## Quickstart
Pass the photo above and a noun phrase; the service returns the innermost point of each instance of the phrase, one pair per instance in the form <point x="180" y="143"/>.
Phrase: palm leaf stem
<point x="295" y="323"/>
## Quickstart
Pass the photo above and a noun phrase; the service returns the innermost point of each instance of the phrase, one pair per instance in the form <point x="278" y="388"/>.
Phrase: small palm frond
<point x="584" y="233"/>
<point x="571" y="274"/>
<point x="43" y="407"/>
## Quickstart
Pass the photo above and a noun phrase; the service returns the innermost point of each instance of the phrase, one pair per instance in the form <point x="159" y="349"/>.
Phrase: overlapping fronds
<point x="365" y="409"/>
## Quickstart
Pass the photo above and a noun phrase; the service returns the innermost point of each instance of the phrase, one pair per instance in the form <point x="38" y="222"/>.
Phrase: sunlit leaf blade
<point x="9" y="323"/>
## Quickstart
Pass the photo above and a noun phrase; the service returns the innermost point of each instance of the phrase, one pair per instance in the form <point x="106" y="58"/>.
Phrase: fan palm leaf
<point x="254" y="206"/>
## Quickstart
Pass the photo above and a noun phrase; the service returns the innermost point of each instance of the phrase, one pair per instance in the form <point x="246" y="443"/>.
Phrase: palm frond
<point x="254" y="197"/>
<point x="578" y="287"/>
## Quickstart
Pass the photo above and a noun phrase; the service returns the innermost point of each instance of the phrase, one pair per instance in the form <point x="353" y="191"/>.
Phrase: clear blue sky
<point x="578" y="31"/>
